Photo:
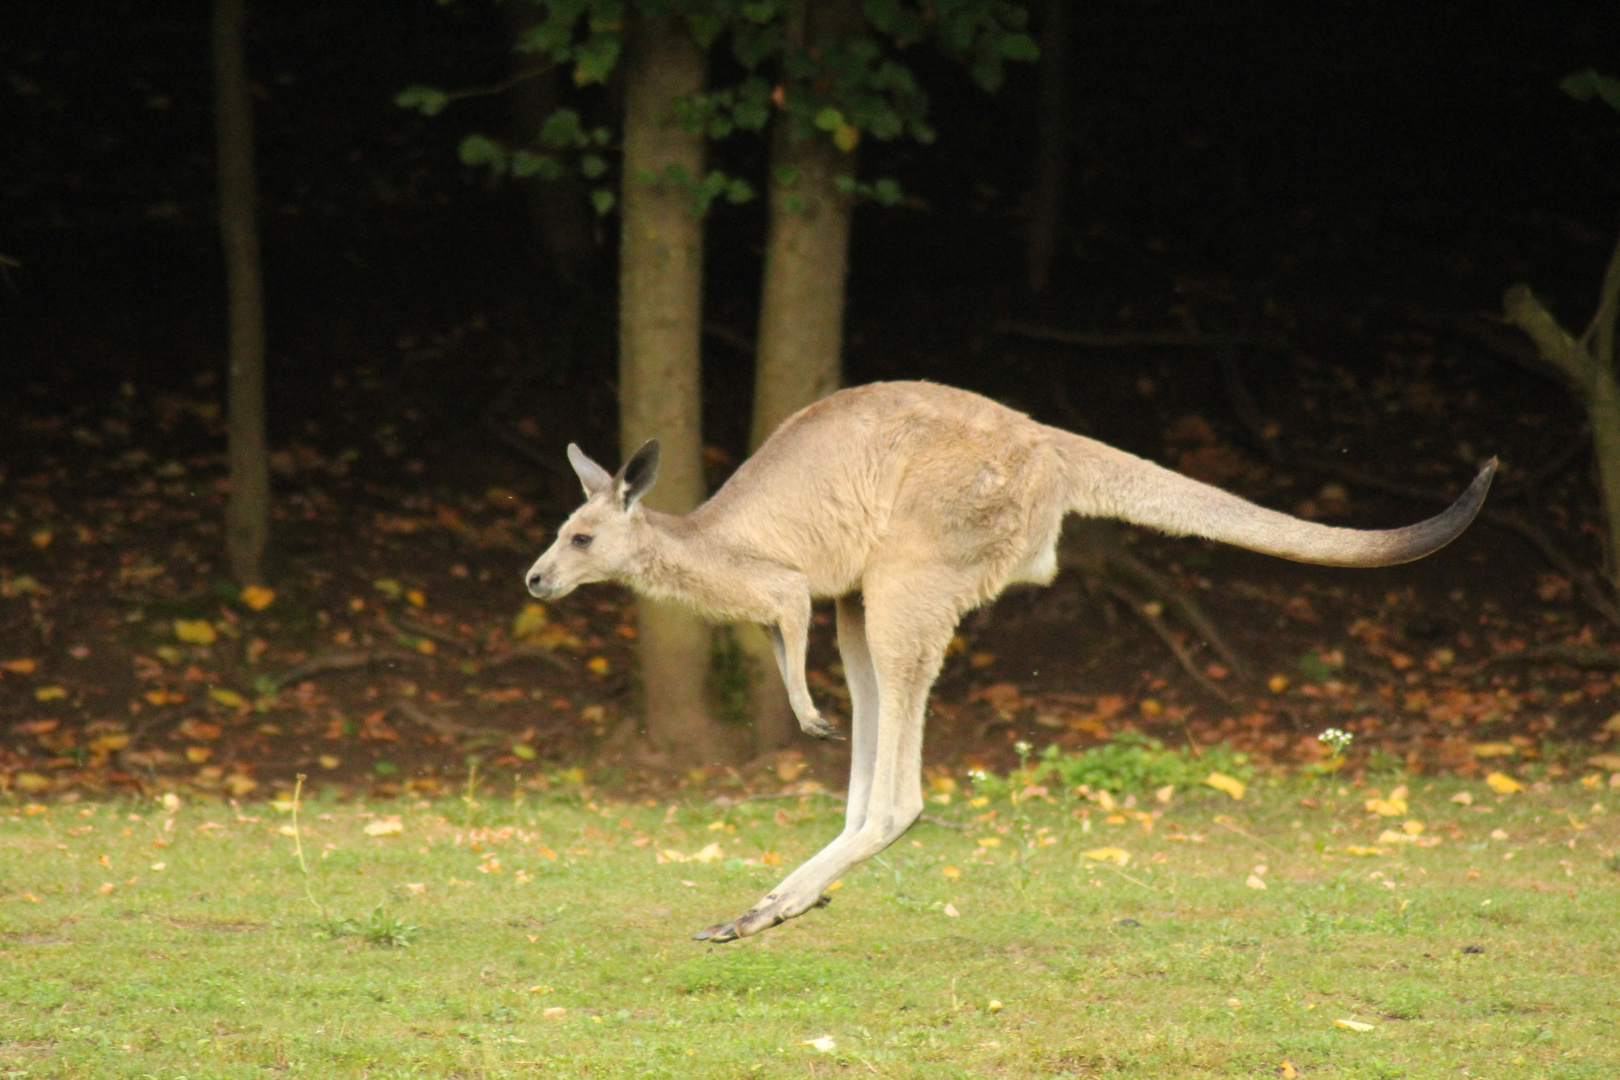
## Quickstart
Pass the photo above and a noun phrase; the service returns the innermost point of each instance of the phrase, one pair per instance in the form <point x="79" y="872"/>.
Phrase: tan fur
<point x="911" y="503"/>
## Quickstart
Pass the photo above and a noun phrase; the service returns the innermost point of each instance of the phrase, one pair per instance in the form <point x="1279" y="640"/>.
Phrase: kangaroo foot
<point x="767" y="914"/>
<point x="816" y="726"/>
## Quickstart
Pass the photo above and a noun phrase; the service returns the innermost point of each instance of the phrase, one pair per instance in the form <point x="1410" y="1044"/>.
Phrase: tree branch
<point x="1552" y="341"/>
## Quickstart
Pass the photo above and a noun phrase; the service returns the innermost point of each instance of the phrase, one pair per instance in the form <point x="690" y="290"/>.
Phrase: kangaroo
<point x="909" y="504"/>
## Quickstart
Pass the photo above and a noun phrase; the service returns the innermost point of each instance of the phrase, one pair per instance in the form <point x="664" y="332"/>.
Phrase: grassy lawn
<point x="546" y="933"/>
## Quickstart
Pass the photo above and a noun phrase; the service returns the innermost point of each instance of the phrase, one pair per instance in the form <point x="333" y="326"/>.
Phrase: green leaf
<point x="478" y="150"/>
<point x="1020" y="47"/>
<point x="886" y="192"/>
<point x="595" y="58"/>
<point x="592" y="166"/>
<point x="562" y="129"/>
<point x="739" y="191"/>
<point x="1589" y="84"/>
<point x="829" y="119"/>
<point x="526" y="163"/>
<point x="602" y="199"/>
<point x="428" y="100"/>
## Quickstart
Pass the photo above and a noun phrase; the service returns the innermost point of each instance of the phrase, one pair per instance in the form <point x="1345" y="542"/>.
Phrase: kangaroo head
<point x="598" y="541"/>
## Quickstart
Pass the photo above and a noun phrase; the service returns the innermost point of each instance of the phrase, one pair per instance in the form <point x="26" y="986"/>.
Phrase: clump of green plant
<point x="1129" y="762"/>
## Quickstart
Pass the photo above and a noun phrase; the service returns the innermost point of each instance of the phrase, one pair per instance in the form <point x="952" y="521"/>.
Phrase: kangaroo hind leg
<point x="906" y="643"/>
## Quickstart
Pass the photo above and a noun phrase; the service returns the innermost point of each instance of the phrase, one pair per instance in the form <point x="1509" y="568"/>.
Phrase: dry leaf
<point x="21" y="666"/>
<point x="950" y="871"/>
<point x="386" y="827"/>
<point x="950" y="910"/>
<point x="1503" y="784"/>
<point x="195" y="631"/>
<point x="258" y="597"/>
<point x="1117" y="856"/>
<point x="1464" y="798"/>
<point x="228" y="698"/>
<point x="1606" y="762"/>
<point x="1352" y="1025"/>
<point x="1254" y="882"/>
<point x="825" y="1043"/>
<point x="1165" y="794"/>
<point x="708" y="854"/>
<point x="1222" y="782"/>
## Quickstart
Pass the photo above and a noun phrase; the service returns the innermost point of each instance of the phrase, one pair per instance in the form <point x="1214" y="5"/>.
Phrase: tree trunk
<point x="801" y="320"/>
<point x="559" y="209"/>
<point x="1587" y="367"/>
<point x="660" y="321"/>
<point x="247" y="511"/>
<point x="1051" y="171"/>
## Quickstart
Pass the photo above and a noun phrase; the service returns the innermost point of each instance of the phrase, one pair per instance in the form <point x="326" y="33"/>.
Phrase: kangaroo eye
<point x="581" y="540"/>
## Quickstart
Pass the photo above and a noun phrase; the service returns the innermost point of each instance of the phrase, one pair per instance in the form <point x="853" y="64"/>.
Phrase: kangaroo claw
<point x="819" y="728"/>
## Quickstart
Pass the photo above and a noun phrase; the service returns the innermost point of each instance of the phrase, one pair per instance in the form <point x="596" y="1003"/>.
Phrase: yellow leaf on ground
<point x="1503" y="784"/>
<point x="1117" y="856"/>
<point x="1464" y="798"/>
<point x="198" y="754"/>
<point x="1356" y="849"/>
<point x="195" y="631"/>
<point x="1390" y="836"/>
<point x="1287" y="1071"/>
<point x="386" y="827"/>
<point x="598" y="665"/>
<point x="257" y="597"/>
<point x="50" y="693"/>
<point x="1352" y="1025"/>
<point x="1254" y="882"/>
<point x="1606" y="762"/>
<point x="1494" y="749"/>
<point x="1222" y="782"/>
<point x="1387" y="807"/>
<point x="239" y="785"/>
<point x="21" y="666"/>
<point x="31" y="782"/>
<point x="1412" y="828"/>
<point x="825" y="1043"/>
<point x="1165" y="794"/>
<point x="950" y="910"/>
<point x="223" y="696"/>
<point x="950" y="871"/>
<point x="708" y="854"/>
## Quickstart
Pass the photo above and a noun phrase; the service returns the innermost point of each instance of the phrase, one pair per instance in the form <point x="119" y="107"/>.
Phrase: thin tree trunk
<point x="1051" y="173"/>
<point x="247" y="511"/>
<point x="660" y="322"/>
<point x="1587" y="366"/>
<point x="559" y="209"/>
<point x="801" y="321"/>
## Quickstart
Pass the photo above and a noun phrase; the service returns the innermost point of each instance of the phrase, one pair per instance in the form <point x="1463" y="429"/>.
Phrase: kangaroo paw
<point x="757" y="919"/>
<point x="816" y="726"/>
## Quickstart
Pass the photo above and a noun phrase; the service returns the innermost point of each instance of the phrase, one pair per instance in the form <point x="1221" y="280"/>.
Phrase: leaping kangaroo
<point x="910" y="504"/>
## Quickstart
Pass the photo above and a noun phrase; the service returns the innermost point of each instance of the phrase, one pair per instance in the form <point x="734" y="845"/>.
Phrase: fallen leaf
<point x="825" y="1043"/>
<point x="1117" y="856"/>
<point x="1464" y="798"/>
<point x="708" y="854"/>
<point x="1222" y="782"/>
<point x="1390" y="836"/>
<point x="24" y="665"/>
<point x="195" y="631"/>
<point x="1287" y="1071"/>
<point x="31" y="782"/>
<point x="1494" y="749"/>
<point x="198" y="754"/>
<point x="220" y="695"/>
<point x="257" y="597"/>
<point x="389" y="826"/>
<point x="50" y="693"/>
<point x="950" y="871"/>
<point x="1503" y="784"/>
<point x="1387" y="807"/>
<point x="1352" y="1025"/>
<point x="994" y="1006"/>
<point x="1165" y="794"/>
<point x="239" y="785"/>
<point x="950" y="910"/>
<point x="1254" y="882"/>
<point x="1606" y="762"/>
<point x="598" y="665"/>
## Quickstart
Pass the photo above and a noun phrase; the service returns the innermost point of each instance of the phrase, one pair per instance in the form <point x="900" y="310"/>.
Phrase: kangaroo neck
<point x="677" y="560"/>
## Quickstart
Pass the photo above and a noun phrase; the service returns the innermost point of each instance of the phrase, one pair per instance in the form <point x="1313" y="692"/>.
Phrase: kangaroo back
<point x="1106" y="482"/>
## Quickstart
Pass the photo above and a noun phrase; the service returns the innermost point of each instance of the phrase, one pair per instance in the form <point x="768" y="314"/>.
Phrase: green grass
<point x="541" y="936"/>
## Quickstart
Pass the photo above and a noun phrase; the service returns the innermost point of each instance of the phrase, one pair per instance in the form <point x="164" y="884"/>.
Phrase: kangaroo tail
<point x="1106" y="482"/>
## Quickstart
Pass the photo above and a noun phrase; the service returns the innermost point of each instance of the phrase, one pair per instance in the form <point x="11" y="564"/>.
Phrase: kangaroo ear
<point x="591" y="475"/>
<point x="637" y="475"/>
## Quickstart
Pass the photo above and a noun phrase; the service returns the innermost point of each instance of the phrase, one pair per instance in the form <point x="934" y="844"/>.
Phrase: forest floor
<point x="397" y="647"/>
